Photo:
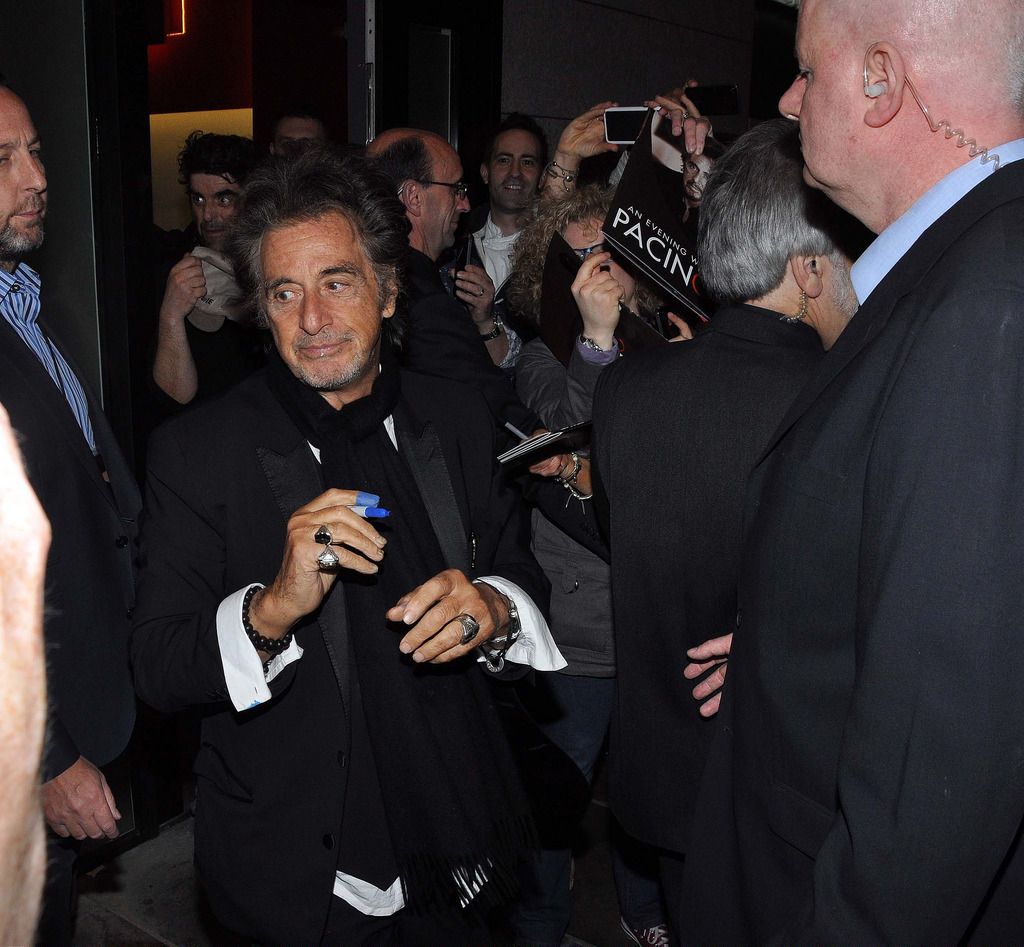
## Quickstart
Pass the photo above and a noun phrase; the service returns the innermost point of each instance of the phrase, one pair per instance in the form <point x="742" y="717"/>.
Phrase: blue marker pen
<point x="370" y="512"/>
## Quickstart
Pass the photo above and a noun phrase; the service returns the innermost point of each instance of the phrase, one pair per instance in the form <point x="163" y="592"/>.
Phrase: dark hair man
<point x="296" y="129"/>
<point x="204" y="342"/>
<point x="515" y="155"/>
<point x="426" y="173"/>
<point x="872" y="709"/>
<point x="90" y="498"/>
<point x="372" y="793"/>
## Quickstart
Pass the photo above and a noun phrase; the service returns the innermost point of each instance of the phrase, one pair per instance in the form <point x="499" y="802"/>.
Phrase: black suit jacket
<point x="441" y="340"/>
<point x="222" y="481"/>
<point x="866" y="784"/>
<point x="677" y="430"/>
<point x="89" y="587"/>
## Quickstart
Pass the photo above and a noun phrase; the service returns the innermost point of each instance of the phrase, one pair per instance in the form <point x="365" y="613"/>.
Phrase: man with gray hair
<point x="770" y="251"/>
<point x="316" y="540"/>
<point x="865" y="784"/>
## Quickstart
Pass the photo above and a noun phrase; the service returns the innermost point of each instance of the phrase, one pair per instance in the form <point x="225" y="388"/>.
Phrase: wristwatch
<point x="591" y="344"/>
<point x="499" y="327"/>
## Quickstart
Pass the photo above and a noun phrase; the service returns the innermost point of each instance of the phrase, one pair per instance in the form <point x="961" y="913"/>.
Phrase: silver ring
<point x="470" y="628"/>
<point x="328" y="559"/>
<point x="479" y="292"/>
<point x="323" y="536"/>
<point x="686" y="114"/>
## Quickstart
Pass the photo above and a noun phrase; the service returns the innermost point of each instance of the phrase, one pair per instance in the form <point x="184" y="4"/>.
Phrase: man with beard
<point x="515" y="155"/>
<point x="865" y="784"/>
<point x="90" y="498"/>
<point x="318" y="542"/>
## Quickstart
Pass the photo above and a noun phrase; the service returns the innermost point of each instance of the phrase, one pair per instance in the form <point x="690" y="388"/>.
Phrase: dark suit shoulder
<point x="739" y="337"/>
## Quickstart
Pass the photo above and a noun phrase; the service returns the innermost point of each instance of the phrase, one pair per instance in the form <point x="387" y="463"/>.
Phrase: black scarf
<point x="451" y="795"/>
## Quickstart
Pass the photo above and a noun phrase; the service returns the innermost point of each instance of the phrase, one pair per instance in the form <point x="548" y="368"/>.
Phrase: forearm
<point x="174" y="370"/>
<point x="497" y="347"/>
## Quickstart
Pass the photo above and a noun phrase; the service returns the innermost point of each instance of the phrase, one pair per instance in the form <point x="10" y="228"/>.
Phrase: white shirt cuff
<point x="243" y="669"/>
<point x="535" y="647"/>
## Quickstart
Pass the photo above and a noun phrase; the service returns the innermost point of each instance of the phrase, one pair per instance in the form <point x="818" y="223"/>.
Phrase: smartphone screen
<point x="622" y="125"/>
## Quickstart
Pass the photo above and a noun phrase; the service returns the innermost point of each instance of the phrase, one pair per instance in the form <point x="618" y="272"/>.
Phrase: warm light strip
<point x="182" y="33"/>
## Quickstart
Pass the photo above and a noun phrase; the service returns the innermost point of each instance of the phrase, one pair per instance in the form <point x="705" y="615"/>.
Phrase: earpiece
<point x="875" y="89"/>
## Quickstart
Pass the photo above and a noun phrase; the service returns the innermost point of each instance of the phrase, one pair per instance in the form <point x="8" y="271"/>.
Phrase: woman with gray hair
<point x="677" y="430"/>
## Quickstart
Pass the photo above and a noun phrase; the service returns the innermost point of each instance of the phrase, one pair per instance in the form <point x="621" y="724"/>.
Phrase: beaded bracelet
<point x="567" y="177"/>
<point x="570" y="482"/>
<point x="260" y="642"/>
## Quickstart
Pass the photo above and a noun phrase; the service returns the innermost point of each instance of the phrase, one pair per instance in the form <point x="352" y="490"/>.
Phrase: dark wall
<point x="476" y="31"/>
<point x="299" y="58"/>
<point x="210" y="66"/>
<point x="773" y="62"/>
<point x="43" y="53"/>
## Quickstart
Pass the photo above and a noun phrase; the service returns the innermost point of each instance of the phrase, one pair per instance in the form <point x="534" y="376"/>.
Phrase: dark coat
<point x="223" y="480"/>
<point x="865" y="785"/>
<point x="677" y="430"/>
<point x="441" y="340"/>
<point x="89" y="586"/>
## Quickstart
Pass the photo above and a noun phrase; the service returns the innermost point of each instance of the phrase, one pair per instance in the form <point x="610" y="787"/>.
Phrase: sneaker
<point x="656" y="936"/>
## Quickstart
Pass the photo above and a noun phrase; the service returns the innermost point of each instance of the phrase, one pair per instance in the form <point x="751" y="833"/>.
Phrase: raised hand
<point x="476" y="289"/>
<point x="301" y="582"/>
<point x="598" y="294"/>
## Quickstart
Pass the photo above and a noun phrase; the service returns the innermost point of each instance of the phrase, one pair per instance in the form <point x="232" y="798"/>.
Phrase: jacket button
<point x="739" y="616"/>
<point x="342" y="759"/>
<point x="328" y="841"/>
<point x="121" y="542"/>
<point x="130" y="614"/>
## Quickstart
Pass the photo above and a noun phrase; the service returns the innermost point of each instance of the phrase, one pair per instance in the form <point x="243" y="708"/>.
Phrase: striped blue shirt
<point x="19" y="305"/>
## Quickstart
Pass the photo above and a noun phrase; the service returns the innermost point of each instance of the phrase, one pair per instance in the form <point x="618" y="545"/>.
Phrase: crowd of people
<point x="777" y="576"/>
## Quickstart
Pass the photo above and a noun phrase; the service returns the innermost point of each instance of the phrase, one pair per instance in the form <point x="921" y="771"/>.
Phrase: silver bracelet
<point x="556" y="171"/>
<point x="494" y="658"/>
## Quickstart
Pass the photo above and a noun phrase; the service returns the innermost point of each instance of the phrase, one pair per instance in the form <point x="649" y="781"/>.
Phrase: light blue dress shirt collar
<point x="888" y="248"/>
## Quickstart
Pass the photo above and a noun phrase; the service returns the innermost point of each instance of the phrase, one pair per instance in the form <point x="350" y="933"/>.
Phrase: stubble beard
<point x="357" y="367"/>
<point x="14" y="244"/>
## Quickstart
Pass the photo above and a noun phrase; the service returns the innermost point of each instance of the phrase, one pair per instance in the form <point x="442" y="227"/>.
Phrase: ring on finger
<point x="328" y="559"/>
<point x="323" y="536"/>
<point x="470" y="628"/>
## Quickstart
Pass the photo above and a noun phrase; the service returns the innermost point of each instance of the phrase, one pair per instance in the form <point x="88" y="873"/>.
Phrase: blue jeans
<point x="582" y="708"/>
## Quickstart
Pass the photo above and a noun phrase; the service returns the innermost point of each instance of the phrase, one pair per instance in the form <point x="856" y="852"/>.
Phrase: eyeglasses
<point x="461" y="188"/>
<point x="584" y="252"/>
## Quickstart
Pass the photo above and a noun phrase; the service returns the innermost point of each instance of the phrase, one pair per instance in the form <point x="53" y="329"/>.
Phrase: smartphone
<point x="622" y="124"/>
<point x="715" y="99"/>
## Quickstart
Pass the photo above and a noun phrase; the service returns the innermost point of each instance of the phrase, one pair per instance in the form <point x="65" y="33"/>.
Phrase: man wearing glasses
<point x="441" y="338"/>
